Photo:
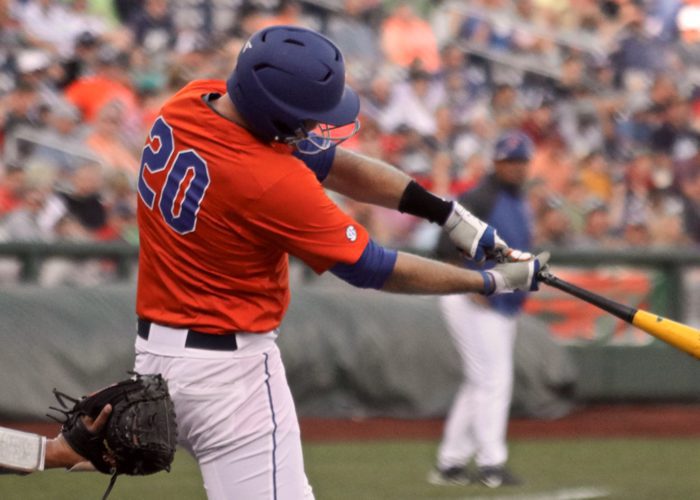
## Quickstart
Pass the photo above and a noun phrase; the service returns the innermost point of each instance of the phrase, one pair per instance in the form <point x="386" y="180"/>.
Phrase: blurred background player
<point x="223" y="202"/>
<point x="484" y="329"/>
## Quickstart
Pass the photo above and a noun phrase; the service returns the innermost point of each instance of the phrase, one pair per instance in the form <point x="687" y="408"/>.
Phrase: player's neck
<point x="225" y="108"/>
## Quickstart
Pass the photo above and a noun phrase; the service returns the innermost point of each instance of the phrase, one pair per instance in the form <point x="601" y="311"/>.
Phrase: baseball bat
<point x="680" y="336"/>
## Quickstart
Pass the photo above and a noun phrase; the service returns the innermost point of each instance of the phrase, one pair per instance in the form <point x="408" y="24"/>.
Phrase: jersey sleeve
<point x="296" y="214"/>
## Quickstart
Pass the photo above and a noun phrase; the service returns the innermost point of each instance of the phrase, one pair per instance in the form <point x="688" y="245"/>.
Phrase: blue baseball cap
<point x="513" y="145"/>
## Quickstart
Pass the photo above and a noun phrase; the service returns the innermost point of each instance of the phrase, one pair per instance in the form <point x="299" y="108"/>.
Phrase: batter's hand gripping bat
<point x="680" y="336"/>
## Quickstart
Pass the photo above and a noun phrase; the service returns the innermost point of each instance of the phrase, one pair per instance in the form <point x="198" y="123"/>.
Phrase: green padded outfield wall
<point x="348" y="353"/>
<point x="354" y="354"/>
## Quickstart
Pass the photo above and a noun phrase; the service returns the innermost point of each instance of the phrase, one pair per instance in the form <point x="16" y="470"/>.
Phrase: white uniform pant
<point x="234" y="413"/>
<point x="477" y="422"/>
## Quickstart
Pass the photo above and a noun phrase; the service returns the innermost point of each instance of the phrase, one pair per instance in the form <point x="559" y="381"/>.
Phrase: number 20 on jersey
<point x="179" y="201"/>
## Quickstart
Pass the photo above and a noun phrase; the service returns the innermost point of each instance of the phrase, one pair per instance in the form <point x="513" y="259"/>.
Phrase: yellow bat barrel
<point x="682" y="336"/>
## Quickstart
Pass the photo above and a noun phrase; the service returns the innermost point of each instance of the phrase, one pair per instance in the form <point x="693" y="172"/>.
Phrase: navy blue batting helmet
<point x="513" y="145"/>
<point x="289" y="80"/>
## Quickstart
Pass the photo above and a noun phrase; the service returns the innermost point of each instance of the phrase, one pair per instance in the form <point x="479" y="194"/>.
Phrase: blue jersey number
<point x="182" y="218"/>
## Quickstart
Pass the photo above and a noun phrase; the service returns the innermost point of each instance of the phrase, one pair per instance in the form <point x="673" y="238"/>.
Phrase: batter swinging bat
<point x="680" y="336"/>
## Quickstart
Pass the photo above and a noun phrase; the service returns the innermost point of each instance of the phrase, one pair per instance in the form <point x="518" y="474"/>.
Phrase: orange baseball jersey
<point x="218" y="214"/>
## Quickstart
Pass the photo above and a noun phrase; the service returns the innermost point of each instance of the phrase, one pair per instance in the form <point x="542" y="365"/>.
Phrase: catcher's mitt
<point x="140" y="435"/>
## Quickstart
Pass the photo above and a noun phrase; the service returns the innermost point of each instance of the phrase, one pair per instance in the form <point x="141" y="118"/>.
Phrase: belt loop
<point x="143" y="328"/>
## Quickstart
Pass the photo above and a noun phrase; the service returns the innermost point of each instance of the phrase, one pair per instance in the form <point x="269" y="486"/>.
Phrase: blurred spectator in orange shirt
<point x="256" y="16"/>
<point x="289" y="12"/>
<point x="506" y="108"/>
<point x="595" y="175"/>
<point x="406" y="38"/>
<point x="688" y="25"/>
<point x="11" y="189"/>
<point x="553" y="165"/>
<point x="688" y="22"/>
<point x="91" y="93"/>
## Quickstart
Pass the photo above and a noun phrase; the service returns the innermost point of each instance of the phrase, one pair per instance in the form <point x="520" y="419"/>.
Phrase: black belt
<point x="197" y="340"/>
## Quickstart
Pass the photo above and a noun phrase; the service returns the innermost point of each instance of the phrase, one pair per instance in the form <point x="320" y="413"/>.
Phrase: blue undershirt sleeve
<point x="319" y="163"/>
<point x="371" y="270"/>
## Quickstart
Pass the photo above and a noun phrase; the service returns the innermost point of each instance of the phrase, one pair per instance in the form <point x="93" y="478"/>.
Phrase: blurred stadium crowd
<point x="609" y="90"/>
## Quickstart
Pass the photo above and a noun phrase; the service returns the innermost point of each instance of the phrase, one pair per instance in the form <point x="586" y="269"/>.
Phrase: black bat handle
<point x="625" y="313"/>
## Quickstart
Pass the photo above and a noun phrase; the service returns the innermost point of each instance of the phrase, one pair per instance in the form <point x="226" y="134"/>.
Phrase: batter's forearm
<point x="366" y="179"/>
<point x="418" y="275"/>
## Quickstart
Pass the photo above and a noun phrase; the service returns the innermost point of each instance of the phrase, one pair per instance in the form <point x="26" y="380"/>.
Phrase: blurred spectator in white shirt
<point x="23" y="224"/>
<point x="48" y="25"/>
<point x="60" y="142"/>
<point x="413" y="103"/>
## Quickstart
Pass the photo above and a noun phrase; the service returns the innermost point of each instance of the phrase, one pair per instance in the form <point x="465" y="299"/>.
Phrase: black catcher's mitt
<point x="140" y="435"/>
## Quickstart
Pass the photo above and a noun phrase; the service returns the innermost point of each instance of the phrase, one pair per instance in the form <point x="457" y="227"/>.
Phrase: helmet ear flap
<point x="283" y="128"/>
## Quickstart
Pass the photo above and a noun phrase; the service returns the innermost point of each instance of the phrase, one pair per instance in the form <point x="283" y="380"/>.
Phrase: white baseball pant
<point x="235" y="414"/>
<point x="477" y="421"/>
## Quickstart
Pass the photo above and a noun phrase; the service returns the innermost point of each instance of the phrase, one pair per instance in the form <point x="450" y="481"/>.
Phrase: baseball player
<point x="232" y="182"/>
<point x="128" y="427"/>
<point x="483" y="330"/>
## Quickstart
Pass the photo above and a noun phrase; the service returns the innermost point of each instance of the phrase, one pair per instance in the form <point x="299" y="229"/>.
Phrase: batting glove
<point x="515" y="276"/>
<point x="472" y="236"/>
<point x="513" y="255"/>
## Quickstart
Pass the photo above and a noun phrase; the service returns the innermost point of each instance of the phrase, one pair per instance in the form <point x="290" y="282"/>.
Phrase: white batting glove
<point x="472" y="236"/>
<point x="515" y="276"/>
<point x="514" y="255"/>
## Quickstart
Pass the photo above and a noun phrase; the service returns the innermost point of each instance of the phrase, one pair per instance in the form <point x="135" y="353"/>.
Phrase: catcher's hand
<point x="60" y="454"/>
<point x="126" y="428"/>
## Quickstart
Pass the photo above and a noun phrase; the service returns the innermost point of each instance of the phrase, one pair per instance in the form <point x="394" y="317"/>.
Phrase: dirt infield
<point x="590" y="421"/>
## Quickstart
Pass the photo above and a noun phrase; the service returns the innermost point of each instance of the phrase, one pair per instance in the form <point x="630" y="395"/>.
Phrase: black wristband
<point x="415" y="200"/>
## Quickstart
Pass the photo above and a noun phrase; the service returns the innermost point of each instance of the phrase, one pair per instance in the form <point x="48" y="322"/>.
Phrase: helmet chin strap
<point x="314" y="143"/>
